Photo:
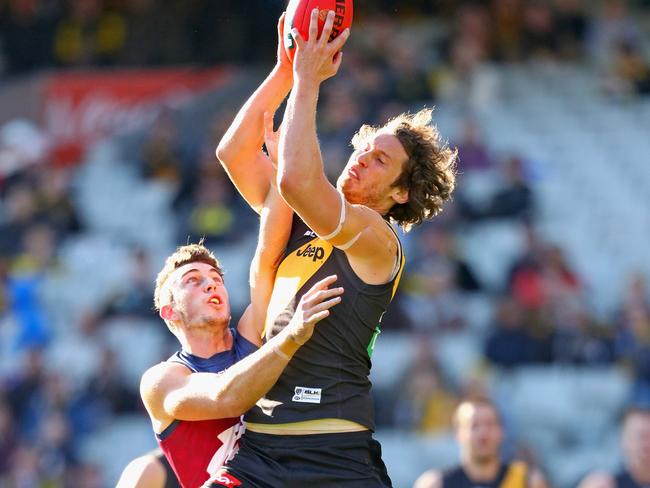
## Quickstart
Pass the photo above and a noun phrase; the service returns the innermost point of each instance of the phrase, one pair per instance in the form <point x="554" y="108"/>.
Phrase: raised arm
<point x="240" y="150"/>
<point x="275" y="227"/>
<point x="170" y="392"/>
<point x="367" y="241"/>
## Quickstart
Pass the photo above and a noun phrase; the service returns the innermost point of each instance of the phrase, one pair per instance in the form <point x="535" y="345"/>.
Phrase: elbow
<point x="222" y="154"/>
<point x="288" y="185"/>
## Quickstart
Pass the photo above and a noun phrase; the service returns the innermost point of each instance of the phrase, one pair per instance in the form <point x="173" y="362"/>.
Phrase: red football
<point x="299" y="15"/>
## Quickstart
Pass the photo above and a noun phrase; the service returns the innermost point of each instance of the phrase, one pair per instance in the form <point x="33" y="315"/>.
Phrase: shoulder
<point x="598" y="479"/>
<point x="158" y="380"/>
<point x="429" y="479"/>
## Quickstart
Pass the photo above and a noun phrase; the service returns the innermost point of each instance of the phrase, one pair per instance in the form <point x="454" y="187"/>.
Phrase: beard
<point x="207" y="322"/>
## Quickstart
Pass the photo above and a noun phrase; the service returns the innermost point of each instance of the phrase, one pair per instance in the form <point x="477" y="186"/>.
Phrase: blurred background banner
<point x="81" y="108"/>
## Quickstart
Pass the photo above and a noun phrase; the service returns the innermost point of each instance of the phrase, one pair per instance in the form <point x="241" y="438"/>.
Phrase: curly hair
<point x="191" y="253"/>
<point x="429" y="175"/>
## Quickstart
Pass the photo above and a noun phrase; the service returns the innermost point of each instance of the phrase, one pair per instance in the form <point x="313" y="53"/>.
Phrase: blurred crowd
<point x="438" y="51"/>
<point x="46" y="34"/>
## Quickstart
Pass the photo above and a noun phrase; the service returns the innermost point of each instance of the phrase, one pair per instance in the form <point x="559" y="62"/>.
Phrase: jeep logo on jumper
<point x="313" y="252"/>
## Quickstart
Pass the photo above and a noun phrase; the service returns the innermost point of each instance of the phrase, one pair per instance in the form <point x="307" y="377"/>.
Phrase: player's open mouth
<point x="215" y="300"/>
<point x="353" y="173"/>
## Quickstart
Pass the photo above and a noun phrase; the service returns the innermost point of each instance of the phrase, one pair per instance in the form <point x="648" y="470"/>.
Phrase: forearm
<point x="251" y="378"/>
<point x="240" y="150"/>
<point x="299" y="162"/>
<point x="275" y="226"/>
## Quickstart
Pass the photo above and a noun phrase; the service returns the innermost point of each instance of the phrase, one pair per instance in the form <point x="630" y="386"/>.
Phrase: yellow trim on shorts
<point x="307" y="427"/>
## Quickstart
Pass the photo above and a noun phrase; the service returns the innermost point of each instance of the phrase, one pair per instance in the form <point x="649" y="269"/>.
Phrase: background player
<point x="400" y="172"/>
<point x="480" y="434"/>
<point x="635" y="441"/>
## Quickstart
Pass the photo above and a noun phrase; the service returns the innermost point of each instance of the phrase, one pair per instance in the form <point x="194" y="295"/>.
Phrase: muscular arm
<point x="170" y="391"/>
<point x="301" y="177"/>
<point x="240" y="149"/>
<point x="275" y="227"/>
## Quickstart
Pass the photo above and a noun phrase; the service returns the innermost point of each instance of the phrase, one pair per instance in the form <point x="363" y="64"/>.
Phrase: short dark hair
<point x="429" y="175"/>
<point x="191" y="253"/>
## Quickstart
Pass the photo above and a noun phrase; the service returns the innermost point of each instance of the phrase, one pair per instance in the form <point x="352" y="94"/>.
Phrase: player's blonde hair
<point x="191" y="253"/>
<point x="429" y="175"/>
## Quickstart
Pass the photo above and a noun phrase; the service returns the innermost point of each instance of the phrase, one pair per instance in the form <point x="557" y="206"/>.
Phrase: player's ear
<point x="167" y="312"/>
<point x="401" y="195"/>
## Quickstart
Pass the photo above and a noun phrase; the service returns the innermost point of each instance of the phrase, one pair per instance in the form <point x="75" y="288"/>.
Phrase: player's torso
<point x="328" y="376"/>
<point x="197" y="449"/>
<point x="512" y="475"/>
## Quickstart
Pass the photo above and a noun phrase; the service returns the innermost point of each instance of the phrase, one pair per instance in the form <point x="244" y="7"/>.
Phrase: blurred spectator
<point x="633" y="336"/>
<point x="105" y="394"/>
<point x="613" y="25"/>
<point x="134" y="299"/>
<point x="472" y="151"/>
<point x="54" y="201"/>
<point x="26" y="35"/>
<point x="630" y="72"/>
<point x="507" y="18"/>
<point x="88" y="34"/>
<point x="571" y="27"/>
<point x="425" y="403"/>
<point x="20" y="212"/>
<point x="24" y="285"/>
<point x="511" y="342"/>
<point x="8" y="437"/>
<point x="539" y="37"/>
<point x="635" y="443"/>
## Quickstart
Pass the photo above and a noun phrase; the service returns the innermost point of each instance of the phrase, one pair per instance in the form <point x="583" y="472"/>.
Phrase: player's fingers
<point x="319" y="316"/>
<point x="300" y="42"/>
<point x="339" y="41"/>
<point x="324" y="283"/>
<point x="313" y="26"/>
<point x="327" y="28"/>
<point x="327" y="304"/>
<point x="323" y="295"/>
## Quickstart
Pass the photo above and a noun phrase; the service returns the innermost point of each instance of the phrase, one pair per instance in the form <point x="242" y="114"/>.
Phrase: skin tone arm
<point x="300" y="166"/>
<point x="275" y="227"/>
<point x="171" y="392"/>
<point x="240" y="149"/>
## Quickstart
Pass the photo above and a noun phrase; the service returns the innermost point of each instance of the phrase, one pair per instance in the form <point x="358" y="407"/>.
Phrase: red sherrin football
<point x="299" y="15"/>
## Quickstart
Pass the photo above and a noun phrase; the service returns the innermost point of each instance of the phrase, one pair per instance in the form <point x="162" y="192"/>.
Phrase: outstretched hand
<point x="317" y="58"/>
<point x="313" y="307"/>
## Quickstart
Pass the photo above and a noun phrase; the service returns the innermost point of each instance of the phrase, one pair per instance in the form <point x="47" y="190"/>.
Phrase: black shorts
<point x="170" y="476"/>
<point x="342" y="460"/>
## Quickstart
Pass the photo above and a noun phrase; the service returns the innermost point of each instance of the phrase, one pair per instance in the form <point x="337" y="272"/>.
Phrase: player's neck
<point x="482" y="472"/>
<point x="206" y="343"/>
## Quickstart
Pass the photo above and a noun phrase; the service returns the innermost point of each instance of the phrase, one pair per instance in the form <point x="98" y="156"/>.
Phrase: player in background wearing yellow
<point x="480" y="434"/>
<point x="314" y="427"/>
<point x="635" y="443"/>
